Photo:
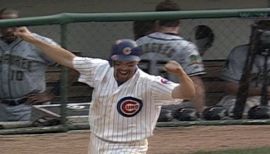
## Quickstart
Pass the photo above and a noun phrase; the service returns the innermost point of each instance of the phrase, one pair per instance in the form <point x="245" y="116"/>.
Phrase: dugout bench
<point x="80" y="92"/>
<point x="214" y="86"/>
<point x="79" y="96"/>
<point x="76" y="91"/>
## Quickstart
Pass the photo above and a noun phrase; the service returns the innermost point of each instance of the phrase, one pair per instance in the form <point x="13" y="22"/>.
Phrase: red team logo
<point x="129" y="106"/>
<point x="164" y="81"/>
<point x="127" y="51"/>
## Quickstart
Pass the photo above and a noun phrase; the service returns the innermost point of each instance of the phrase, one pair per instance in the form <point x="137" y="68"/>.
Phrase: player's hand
<point x="39" y="98"/>
<point x="174" y="68"/>
<point x="25" y="34"/>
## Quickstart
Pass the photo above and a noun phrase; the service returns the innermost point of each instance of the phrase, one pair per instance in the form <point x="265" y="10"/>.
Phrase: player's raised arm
<point x="56" y="53"/>
<point x="186" y="89"/>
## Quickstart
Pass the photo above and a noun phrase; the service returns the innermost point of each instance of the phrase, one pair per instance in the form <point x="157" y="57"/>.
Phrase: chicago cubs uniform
<point x="22" y="72"/>
<point x="122" y="117"/>
<point x="126" y="101"/>
<point x="233" y="71"/>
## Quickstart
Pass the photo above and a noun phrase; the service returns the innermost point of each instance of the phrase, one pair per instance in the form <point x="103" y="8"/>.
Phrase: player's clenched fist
<point x="173" y="67"/>
<point x="25" y="34"/>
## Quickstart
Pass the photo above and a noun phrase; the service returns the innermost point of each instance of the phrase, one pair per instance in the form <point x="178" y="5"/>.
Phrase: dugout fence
<point x="91" y="34"/>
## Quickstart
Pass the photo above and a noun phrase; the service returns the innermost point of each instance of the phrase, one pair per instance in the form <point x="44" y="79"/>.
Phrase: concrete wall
<point x="47" y="7"/>
<point x="94" y="39"/>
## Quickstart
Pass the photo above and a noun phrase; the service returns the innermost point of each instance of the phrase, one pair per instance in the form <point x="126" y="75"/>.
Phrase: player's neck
<point x="169" y="30"/>
<point x="119" y="83"/>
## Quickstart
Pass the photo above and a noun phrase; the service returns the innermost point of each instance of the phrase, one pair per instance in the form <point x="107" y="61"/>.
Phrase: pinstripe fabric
<point x="126" y="113"/>
<point x="100" y="146"/>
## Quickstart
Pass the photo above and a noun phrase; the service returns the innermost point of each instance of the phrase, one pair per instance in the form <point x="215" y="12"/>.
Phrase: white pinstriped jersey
<point x="127" y="112"/>
<point x="159" y="48"/>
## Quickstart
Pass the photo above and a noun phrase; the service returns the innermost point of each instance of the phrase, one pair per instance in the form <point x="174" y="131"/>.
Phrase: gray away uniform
<point x="22" y="71"/>
<point x="159" y="48"/>
<point x="233" y="71"/>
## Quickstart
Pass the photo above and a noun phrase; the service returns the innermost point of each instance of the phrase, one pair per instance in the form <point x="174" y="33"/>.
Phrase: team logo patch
<point x="127" y="51"/>
<point x="195" y="59"/>
<point x="164" y="81"/>
<point x="129" y="106"/>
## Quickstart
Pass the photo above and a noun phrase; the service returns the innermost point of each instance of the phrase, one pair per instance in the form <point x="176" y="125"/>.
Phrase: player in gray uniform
<point x="22" y="73"/>
<point x="233" y="71"/>
<point x="165" y="44"/>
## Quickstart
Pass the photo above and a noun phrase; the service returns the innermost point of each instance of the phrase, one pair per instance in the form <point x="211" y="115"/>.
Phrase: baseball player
<point x="165" y="44"/>
<point x="22" y="73"/>
<point x="125" y="101"/>
<point x="233" y="71"/>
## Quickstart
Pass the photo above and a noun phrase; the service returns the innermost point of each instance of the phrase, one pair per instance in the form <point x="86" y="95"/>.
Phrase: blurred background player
<point x="22" y="73"/>
<point x="126" y="101"/>
<point x="165" y="44"/>
<point x="233" y="71"/>
<point x="203" y="37"/>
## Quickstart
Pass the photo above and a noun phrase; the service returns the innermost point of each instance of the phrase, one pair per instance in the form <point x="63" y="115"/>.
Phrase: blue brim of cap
<point x="125" y="58"/>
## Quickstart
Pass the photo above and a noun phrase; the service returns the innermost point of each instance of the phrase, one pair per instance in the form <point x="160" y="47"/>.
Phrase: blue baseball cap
<point x="125" y="50"/>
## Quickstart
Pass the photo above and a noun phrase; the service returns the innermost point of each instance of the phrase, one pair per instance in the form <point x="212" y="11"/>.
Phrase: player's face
<point x="124" y="70"/>
<point x="8" y="32"/>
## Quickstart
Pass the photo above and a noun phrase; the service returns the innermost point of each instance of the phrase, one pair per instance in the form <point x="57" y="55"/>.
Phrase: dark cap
<point x="125" y="50"/>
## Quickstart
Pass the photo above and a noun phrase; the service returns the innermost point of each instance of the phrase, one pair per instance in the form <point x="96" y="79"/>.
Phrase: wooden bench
<point x="79" y="92"/>
<point x="213" y="84"/>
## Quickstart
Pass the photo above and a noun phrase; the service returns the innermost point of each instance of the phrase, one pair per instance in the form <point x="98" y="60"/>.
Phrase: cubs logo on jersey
<point x="129" y="106"/>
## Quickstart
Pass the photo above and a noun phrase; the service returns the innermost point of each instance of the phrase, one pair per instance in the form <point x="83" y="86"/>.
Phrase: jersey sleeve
<point x="162" y="91"/>
<point x="234" y="65"/>
<point x="49" y="41"/>
<point x="90" y="69"/>
<point x="140" y="41"/>
<point x="190" y="59"/>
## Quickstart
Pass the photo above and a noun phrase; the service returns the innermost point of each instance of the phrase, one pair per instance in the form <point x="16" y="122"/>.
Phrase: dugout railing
<point x="96" y="31"/>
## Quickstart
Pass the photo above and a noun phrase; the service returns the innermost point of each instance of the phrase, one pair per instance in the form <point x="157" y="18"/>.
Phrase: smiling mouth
<point x="123" y="73"/>
<point x="122" y="76"/>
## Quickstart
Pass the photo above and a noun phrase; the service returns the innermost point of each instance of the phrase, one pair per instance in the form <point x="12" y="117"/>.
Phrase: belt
<point x="13" y="102"/>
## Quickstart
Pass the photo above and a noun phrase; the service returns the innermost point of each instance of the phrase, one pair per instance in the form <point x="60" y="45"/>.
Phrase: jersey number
<point x="16" y="75"/>
<point x="145" y="65"/>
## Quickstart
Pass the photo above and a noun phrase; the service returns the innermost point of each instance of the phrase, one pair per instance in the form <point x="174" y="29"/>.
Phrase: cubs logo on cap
<point x="125" y="50"/>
